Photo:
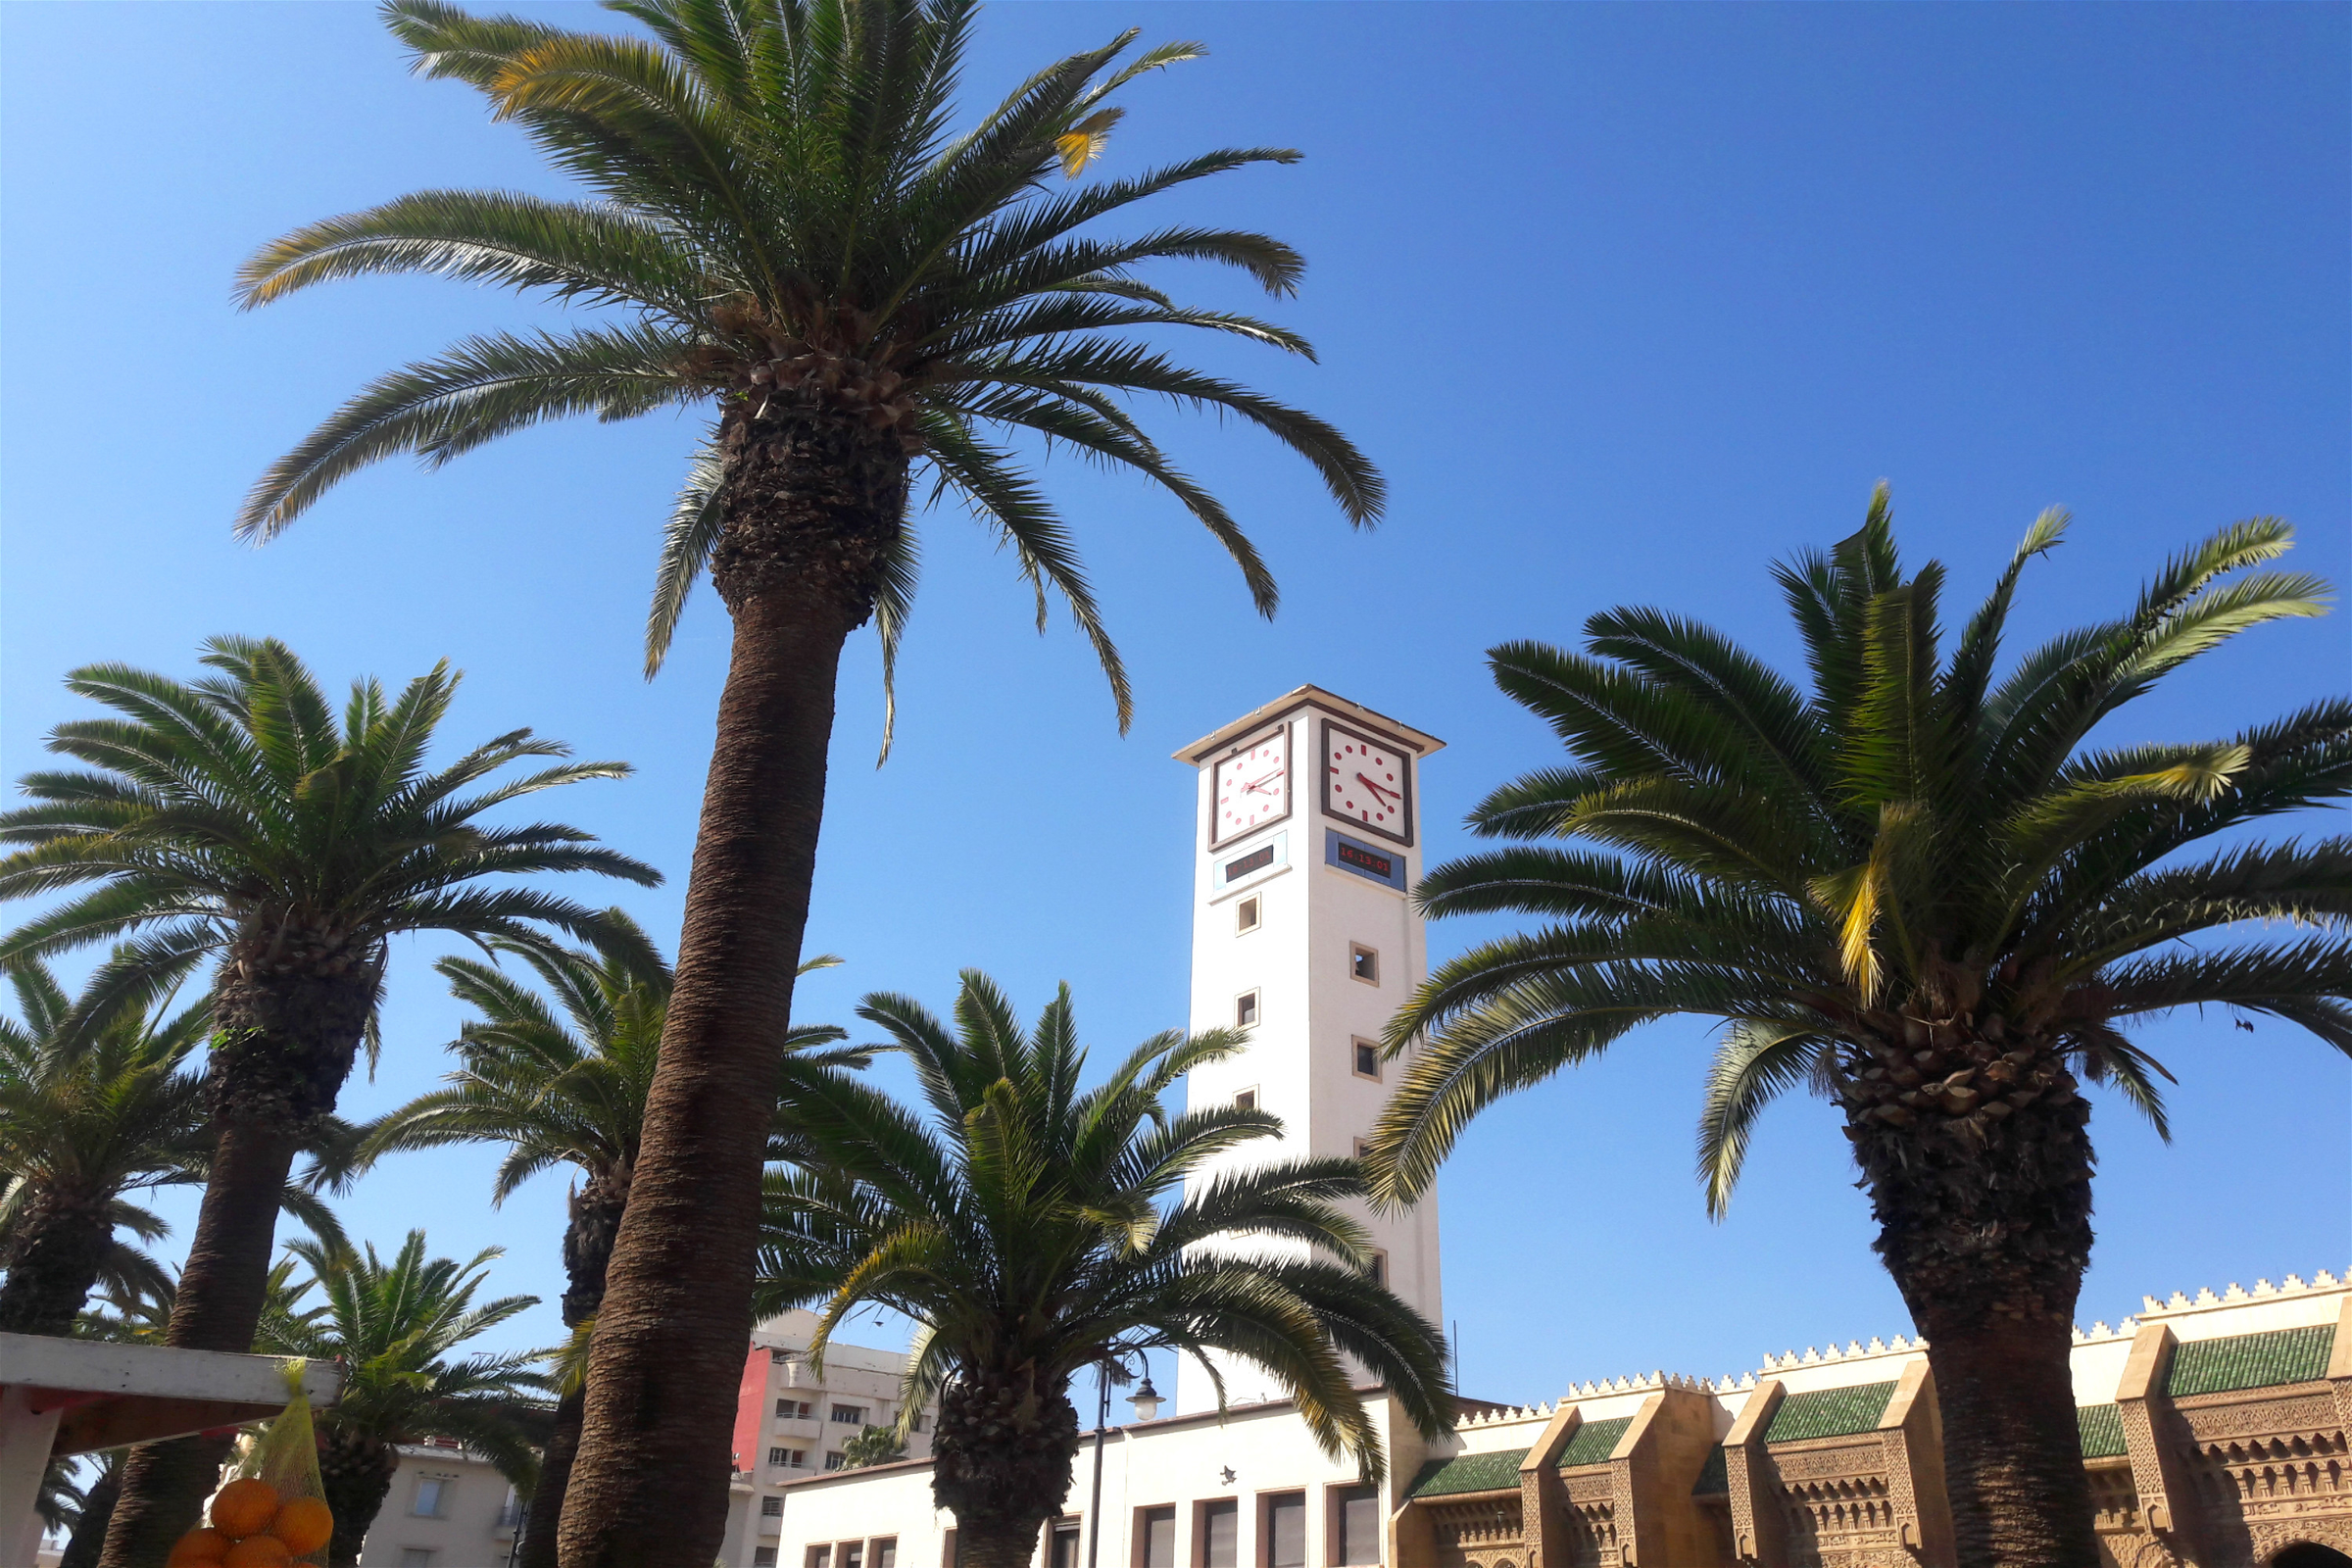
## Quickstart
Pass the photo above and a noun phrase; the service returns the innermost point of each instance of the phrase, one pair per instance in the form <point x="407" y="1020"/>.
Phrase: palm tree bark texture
<point x="1001" y="1461"/>
<point x="815" y="498"/>
<point x="595" y="1222"/>
<point x="1982" y="1198"/>
<point x="289" y="1015"/>
<point x="60" y="1250"/>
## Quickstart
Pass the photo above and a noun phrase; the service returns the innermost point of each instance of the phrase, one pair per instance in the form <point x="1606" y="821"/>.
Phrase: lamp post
<point x="1113" y="1361"/>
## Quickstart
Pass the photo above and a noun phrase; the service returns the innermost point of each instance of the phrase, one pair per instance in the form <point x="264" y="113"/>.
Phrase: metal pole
<point x="1094" y="1513"/>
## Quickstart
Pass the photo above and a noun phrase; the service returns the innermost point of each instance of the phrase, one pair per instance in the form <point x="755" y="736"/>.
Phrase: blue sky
<point x="1628" y="301"/>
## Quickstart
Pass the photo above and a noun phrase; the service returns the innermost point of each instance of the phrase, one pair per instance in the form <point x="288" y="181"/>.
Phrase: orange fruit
<point x="258" y="1551"/>
<point x="244" y="1508"/>
<point x="199" y="1547"/>
<point x="303" y="1524"/>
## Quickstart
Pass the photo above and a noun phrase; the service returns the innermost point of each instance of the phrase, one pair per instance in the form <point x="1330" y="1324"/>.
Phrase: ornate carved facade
<point x="2220" y="1443"/>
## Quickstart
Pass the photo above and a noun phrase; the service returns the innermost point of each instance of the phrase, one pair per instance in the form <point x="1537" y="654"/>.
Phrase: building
<point x="2212" y="1429"/>
<point x="792" y="1422"/>
<point x="449" y="1507"/>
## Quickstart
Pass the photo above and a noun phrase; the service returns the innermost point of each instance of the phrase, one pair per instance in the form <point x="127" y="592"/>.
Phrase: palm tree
<point x="1914" y="891"/>
<point x="869" y="303"/>
<point x="1033" y="1230"/>
<point x="392" y="1326"/>
<point x="94" y="1107"/>
<point x="83" y="1124"/>
<point x="235" y="819"/>
<point x="565" y="1085"/>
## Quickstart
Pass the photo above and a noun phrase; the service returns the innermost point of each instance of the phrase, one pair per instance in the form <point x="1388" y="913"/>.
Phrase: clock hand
<point x="1384" y="794"/>
<point x="1258" y="784"/>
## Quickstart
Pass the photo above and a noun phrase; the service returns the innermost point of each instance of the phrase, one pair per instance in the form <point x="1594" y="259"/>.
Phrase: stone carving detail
<point x="2312" y="1413"/>
<point x="1589" y="1531"/>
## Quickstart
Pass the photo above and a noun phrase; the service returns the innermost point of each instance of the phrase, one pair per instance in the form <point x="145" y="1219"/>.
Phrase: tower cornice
<point x="1308" y="697"/>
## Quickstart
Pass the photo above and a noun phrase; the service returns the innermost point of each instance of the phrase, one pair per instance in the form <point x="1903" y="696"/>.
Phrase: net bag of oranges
<point x="275" y="1512"/>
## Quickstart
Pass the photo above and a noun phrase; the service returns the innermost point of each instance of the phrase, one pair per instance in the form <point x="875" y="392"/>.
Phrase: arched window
<point x="2311" y="1554"/>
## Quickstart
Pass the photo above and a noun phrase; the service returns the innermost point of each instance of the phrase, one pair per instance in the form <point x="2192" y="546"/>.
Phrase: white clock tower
<point x="1307" y="840"/>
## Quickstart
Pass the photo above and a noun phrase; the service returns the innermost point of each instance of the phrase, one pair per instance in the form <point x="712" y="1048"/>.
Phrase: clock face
<point x="1253" y="787"/>
<point x="1368" y="783"/>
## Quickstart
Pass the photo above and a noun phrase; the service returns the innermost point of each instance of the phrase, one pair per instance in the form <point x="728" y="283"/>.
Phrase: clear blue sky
<point x="1627" y="301"/>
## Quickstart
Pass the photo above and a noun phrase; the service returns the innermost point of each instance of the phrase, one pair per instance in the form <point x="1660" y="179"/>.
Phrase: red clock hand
<point x="1260" y="785"/>
<point x="1384" y="794"/>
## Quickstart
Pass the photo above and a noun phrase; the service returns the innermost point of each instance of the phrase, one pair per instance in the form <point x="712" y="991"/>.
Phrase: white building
<point x="449" y="1507"/>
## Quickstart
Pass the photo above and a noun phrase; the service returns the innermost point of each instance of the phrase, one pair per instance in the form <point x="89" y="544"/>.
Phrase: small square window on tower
<point x="1245" y="1010"/>
<point x="1246" y="1100"/>
<point x="1376" y="1268"/>
<point x="1247" y="915"/>
<point x="1363" y="963"/>
<point x="1362" y="1149"/>
<point x="1365" y="1056"/>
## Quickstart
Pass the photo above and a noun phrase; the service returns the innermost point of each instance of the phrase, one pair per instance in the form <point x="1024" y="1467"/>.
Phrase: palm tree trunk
<point x="285" y="1046"/>
<point x="355" y="1472"/>
<point x="97" y="1508"/>
<point x="588" y="1241"/>
<point x="1000" y="1462"/>
<point x="60" y="1251"/>
<point x="1984" y="1223"/>
<point x="814" y="506"/>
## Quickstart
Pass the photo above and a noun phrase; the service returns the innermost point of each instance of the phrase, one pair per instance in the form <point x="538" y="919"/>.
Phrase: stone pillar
<point x="2167" y="1500"/>
<point x="1911" y="1436"/>
<point x="1542" y="1500"/>
<point x="1652" y="1471"/>
<point x="1759" y="1530"/>
<point x="2339" y="1366"/>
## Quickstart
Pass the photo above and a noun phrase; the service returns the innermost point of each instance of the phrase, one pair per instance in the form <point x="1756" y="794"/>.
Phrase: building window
<point x="416" y="1557"/>
<point x="1245" y="1010"/>
<point x="849" y="1415"/>
<point x="820" y="1557"/>
<point x="916" y="1424"/>
<point x="789" y="1459"/>
<point x="834" y="1460"/>
<point x="1356" y="1518"/>
<point x="1065" y="1544"/>
<point x="794" y="1409"/>
<point x="1219" y="1533"/>
<point x="885" y="1552"/>
<point x="1286" y="1531"/>
<point x="852" y="1554"/>
<point x="771" y="1507"/>
<point x="1363" y="1149"/>
<point x="1364" y="1054"/>
<point x="1246" y="1100"/>
<point x="779" y="1356"/>
<point x="432" y="1497"/>
<point x="1363" y="963"/>
<point x="1156" y="1537"/>
<point x="1376" y="1268"/>
<point x="764" y="1557"/>
<point x="1247" y="915"/>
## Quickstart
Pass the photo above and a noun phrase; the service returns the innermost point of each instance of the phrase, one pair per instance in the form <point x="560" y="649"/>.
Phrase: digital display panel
<point x="1256" y="859"/>
<point x="1353" y="854"/>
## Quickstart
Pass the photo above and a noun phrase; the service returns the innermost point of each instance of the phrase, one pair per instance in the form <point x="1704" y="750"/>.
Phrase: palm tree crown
<point x="234" y="816"/>
<point x="1915" y="890"/>
<point x="86" y="1118"/>
<point x="393" y="1325"/>
<point x="796" y="229"/>
<point x="1033" y="1228"/>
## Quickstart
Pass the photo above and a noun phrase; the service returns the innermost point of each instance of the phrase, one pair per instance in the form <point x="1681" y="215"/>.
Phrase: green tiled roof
<point x="1469" y="1471"/>
<point x="1829" y="1412"/>
<point x="1593" y="1442"/>
<point x="2102" y="1429"/>
<point x="1714" y="1476"/>
<point x="2250" y="1361"/>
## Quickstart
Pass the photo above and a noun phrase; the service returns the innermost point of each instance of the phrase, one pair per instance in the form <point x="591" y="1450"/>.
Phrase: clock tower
<point x="1306" y="842"/>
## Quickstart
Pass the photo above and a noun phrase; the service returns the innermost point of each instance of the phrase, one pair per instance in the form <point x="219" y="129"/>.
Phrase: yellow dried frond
<point x="1083" y="142"/>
